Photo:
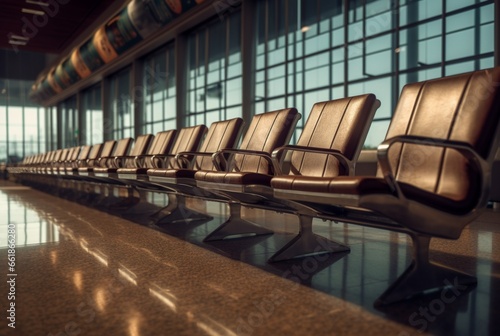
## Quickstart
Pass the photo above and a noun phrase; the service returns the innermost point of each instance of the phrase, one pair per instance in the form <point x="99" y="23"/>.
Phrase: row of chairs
<point x="433" y="173"/>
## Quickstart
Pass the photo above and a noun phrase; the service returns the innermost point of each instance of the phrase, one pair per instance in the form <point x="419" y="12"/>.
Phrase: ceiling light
<point x="304" y="29"/>
<point x="18" y="37"/>
<point x="32" y="11"/>
<point x="14" y="42"/>
<point x="40" y="3"/>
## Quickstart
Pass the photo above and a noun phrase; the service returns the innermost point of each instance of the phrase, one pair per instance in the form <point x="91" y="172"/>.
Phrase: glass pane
<point x="376" y="134"/>
<point x="215" y="77"/>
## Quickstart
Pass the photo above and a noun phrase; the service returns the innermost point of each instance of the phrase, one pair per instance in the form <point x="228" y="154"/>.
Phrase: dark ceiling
<point x="52" y="32"/>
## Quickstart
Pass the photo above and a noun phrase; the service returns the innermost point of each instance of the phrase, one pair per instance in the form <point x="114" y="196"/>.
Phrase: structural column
<point x="497" y="32"/>
<point x="248" y="12"/>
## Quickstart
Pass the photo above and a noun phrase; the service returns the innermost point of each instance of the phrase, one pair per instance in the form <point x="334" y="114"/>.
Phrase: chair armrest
<point x="85" y="163"/>
<point x="163" y="158"/>
<point x="106" y="162"/>
<point x="183" y="157"/>
<point x="279" y="155"/>
<point x="463" y="148"/>
<point x="119" y="161"/>
<point x="218" y="157"/>
<point x="140" y="160"/>
<point x="67" y="163"/>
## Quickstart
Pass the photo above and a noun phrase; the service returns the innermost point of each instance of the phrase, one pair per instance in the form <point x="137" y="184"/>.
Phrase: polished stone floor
<point x="81" y="271"/>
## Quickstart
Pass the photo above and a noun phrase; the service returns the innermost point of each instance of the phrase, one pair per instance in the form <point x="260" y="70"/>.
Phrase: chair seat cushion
<point x="173" y="173"/>
<point x="241" y="178"/>
<point x="136" y="171"/>
<point x="101" y="170"/>
<point x="364" y="186"/>
<point x="85" y="169"/>
<point x="339" y="185"/>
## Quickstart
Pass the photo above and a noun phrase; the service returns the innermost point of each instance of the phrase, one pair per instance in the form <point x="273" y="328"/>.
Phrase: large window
<point x="69" y="123"/>
<point x="214" y="87"/>
<point x="92" y="116"/>
<point x="305" y="54"/>
<point x="3" y="131"/>
<point x="51" y="127"/>
<point x="121" y="106"/>
<point x="22" y="124"/>
<point x="159" y="92"/>
<point x="301" y="52"/>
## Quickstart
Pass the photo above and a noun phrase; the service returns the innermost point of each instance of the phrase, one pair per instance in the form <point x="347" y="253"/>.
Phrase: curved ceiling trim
<point x="136" y="22"/>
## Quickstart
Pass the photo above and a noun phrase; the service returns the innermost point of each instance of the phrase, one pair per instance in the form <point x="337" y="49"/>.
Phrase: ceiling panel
<point x="62" y="22"/>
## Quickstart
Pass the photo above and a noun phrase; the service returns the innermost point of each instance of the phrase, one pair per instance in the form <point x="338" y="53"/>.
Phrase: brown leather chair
<point x="329" y="145"/>
<point x="162" y="144"/>
<point x="220" y="135"/>
<point x="58" y="168"/>
<point x="52" y="161"/>
<point x="60" y="157"/>
<point x="121" y="158"/>
<point x="86" y="173"/>
<point x="70" y="169"/>
<point x="71" y="181"/>
<point x="73" y="154"/>
<point x="83" y="155"/>
<point x="187" y="139"/>
<point x="86" y="168"/>
<point x="433" y="174"/>
<point x="250" y="164"/>
<point x="134" y="175"/>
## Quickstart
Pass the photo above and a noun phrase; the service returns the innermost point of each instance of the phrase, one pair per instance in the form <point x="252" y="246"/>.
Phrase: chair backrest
<point x="57" y="156"/>
<point x="84" y="152"/>
<point x="74" y="152"/>
<point x="141" y="144"/>
<point x="162" y="142"/>
<point x="51" y="156"/>
<point x="266" y="132"/>
<point x="340" y="124"/>
<point x="107" y="153"/>
<point x="140" y="147"/>
<point x="188" y="140"/>
<point x="463" y="108"/>
<point x="221" y="135"/>
<point x="122" y="148"/>
<point x="40" y="160"/>
<point x="95" y="151"/>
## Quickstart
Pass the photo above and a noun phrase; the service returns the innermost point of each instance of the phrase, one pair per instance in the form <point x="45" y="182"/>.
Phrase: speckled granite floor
<point x="84" y="272"/>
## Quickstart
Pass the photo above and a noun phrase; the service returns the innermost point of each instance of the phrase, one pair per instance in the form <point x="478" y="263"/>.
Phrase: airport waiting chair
<point x="98" y="179"/>
<point x="72" y="167"/>
<point x="248" y="165"/>
<point x="163" y="143"/>
<point x="97" y="158"/>
<point x="179" y="182"/>
<point x="134" y="174"/>
<point x="187" y="139"/>
<point x="433" y="174"/>
<point x="329" y="145"/>
<point x="121" y="158"/>
<point x="71" y="159"/>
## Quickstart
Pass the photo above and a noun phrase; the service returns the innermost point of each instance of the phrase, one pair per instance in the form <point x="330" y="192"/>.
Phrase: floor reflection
<point x="377" y="258"/>
<point x="30" y="229"/>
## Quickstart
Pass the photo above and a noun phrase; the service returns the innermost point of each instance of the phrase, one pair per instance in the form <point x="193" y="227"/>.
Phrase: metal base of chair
<point x="423" y="277"/>
<point x="307" y="243"/>
<point x="177" y="211"/>
<point x="236" y="227"/>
